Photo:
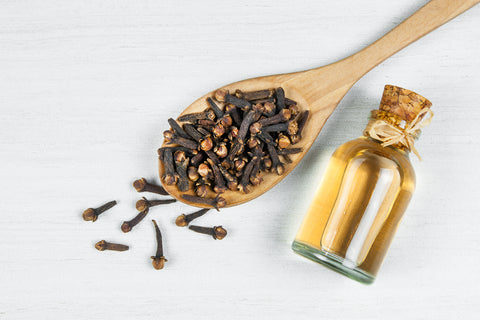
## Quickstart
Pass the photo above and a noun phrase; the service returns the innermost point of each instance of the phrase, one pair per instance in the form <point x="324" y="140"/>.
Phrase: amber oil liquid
<point x="357" y="208"/>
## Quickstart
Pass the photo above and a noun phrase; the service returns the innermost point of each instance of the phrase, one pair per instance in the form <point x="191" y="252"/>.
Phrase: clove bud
<point x="103" y="245"/>
<point x="217" y="232"/>
<point x="183" y="220"/>
<point x="91" y="214"/>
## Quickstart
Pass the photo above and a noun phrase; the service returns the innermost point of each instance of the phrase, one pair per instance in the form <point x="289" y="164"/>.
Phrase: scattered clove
<point x="158" y="260"/>
<point x="217" y="232"/>
<point x="103" y="245"/>
<point x="144" y="204"/>
<point x="91" y="214"/>
<point x="128" y="225"/>
<point x="184" y="219"/>
<point x="142" y="185"/>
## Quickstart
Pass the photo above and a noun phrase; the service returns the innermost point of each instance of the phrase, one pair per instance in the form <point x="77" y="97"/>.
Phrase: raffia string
<point x="390" y="133"/>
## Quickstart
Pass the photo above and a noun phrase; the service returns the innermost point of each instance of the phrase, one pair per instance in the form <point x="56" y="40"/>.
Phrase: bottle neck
<point x="397" y="147"/>
<point x="390" y="130"/>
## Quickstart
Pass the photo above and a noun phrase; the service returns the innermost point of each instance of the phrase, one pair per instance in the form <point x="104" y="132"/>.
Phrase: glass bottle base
<point x="332" y="261"/>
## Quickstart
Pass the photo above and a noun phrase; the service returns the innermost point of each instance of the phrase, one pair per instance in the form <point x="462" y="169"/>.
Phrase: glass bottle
<point x="366" y="189"/>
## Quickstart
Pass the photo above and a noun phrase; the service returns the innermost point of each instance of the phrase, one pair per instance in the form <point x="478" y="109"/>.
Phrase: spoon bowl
<point x="320" y="90"/>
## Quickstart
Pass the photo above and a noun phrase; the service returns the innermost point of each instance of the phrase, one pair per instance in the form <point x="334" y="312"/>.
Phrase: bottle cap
<point x="404" y="103"/>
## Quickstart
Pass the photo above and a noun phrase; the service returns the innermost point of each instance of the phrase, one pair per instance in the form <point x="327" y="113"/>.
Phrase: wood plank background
<point x="86" y="88"/>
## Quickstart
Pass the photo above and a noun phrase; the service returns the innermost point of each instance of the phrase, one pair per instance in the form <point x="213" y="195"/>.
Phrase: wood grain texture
<point x="86" y="89"/>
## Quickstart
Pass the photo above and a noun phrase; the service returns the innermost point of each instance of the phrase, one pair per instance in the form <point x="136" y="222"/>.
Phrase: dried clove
<point x="219" y="186"/>
<point x="292" y="128"/>
<point x="212" y="156"/>
<point x="226" y="121"/>
<point x="276" y="127"/>
<point x="280" y="98"/>
<point x="128" y="225"/>
<point x="266" y="137"/>
<point x="266" y="163"/>
<point x="170" y="177"/>
<point x="239" y="141"/>
<point x="301" y="124"/>
<point x="184" y="219"/>
<point x="290" y="102"/>
<point x="158" y="260"/>
<point x="189" y="152"/>
<point x="233" y="133"/>
<point x="177" y="129"/>
<point x="192" y="173"/>
<point x="144" y="203"/>
<point x="269" y="109"/>
<point x="201" y="188"/>
<point x="192" y="117"/>
<point x="287" y="159"/>
<point x="171" y="137"/>
<point x="253" y="142"/>
<point x="181" y="164"/>
<point x="218" y="130"/>
<point x="294" y="110"/>
<point x="193" y="132"/>
<point x="220" y="95"/>
<point x="232" y="111"/>
<point x="206" y="144"/>
<point x="289" y="151"/>
<point x="217" y="202"/>
<point x="217" y="232"/>
<point x="91" y="214"/>
<point x="255" y="178"/>
<point x="232" y="183"/>
<point x="204" y="171"/>
<point x="206" y="131"/>
<point x="282" y="116"/>
<point x="276" y="164"/>
<point x="221" y="150"/>
<point x="240" y="103"/>
<point x="283" y="141"/>
<point x="206" y="123"/>
<point x="197" y="159"/>
<point x="243" y="185"/>
<point x="255" y="95"/>
<point x="103" y="245"/>
<point x="141" y="185"/>
<point x="218" y="112"/>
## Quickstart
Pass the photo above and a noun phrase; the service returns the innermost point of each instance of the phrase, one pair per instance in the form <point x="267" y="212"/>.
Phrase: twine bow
<point x="391" y="134"/>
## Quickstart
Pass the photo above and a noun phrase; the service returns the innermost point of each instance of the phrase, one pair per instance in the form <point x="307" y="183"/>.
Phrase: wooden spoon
<point x="320" y="90"/>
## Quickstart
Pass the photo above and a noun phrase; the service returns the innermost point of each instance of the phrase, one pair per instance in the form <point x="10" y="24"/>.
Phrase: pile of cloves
<point x="143" y="206"/>
<point x="230" y="144"/>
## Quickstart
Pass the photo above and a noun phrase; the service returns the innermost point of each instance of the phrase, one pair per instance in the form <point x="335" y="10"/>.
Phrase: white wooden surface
<point x="86" y="88"/>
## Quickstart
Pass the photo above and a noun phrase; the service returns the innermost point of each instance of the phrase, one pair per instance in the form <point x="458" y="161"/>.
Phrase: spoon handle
<point x="434" y="14"/>
<point x="326" y="86"/>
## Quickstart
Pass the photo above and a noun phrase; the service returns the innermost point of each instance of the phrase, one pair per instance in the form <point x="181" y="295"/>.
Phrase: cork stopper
<point x="404" y="103"/>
